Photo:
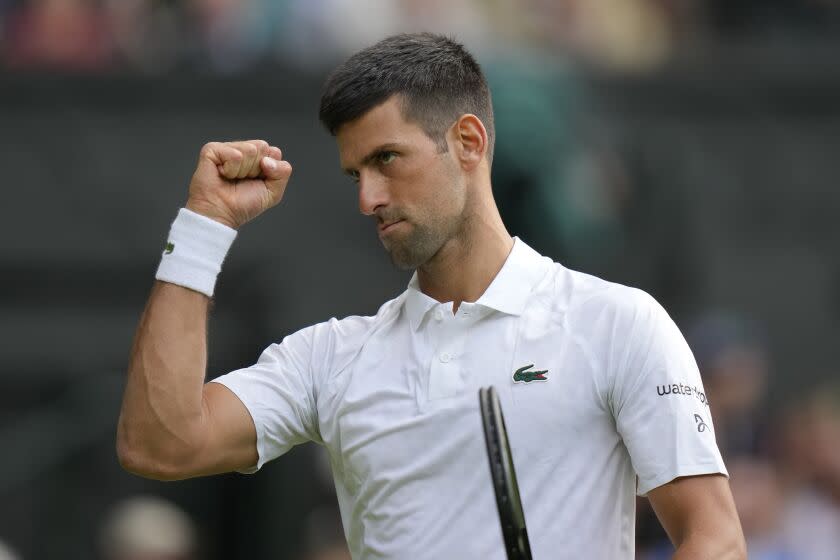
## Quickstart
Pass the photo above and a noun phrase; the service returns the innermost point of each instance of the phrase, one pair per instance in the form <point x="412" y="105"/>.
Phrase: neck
<point x="466" y="264"/>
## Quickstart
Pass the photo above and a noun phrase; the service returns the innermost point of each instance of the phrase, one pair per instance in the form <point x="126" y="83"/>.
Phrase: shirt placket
<point x="446" y="369"/>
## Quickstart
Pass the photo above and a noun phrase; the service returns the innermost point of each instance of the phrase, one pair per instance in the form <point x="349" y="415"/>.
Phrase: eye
<point x="387" y="157"/>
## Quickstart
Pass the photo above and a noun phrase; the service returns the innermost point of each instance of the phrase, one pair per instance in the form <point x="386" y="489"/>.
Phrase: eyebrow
<point x="387" y="147"/>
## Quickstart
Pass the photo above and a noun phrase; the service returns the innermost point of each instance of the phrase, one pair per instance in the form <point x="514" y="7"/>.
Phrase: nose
<point x="373" y="193"/>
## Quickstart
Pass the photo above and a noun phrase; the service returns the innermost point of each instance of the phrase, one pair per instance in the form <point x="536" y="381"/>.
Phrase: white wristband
<point x="194" y="252"/>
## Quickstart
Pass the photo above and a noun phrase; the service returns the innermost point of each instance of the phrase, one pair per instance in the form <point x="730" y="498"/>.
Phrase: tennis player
<point x="601" y="394"/>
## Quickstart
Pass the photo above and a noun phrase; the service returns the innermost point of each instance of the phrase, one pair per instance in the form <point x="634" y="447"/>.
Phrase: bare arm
<point x="699" y="515"/>
<point x="172" y="425"/>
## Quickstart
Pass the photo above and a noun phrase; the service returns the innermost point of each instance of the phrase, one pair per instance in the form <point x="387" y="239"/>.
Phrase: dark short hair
<point x="437" y="77"/>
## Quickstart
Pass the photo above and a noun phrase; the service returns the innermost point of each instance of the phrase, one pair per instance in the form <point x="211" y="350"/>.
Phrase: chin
<point x="410" y="260"/>
<point x="402" y="261"/>
<point x="415" y="249"/>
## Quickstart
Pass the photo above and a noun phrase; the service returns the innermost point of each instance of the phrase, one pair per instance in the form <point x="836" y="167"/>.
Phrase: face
<point x="415" y="193"/>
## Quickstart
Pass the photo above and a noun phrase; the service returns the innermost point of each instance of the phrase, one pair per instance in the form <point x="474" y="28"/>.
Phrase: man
<point x="601" y="394"/>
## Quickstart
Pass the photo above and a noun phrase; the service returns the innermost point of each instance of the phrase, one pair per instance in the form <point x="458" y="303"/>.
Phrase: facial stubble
<point x="425" y="238"/>
<point x="416" y="248"/>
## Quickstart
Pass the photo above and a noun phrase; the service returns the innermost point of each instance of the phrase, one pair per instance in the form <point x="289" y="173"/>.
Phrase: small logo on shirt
<point x="683" y="389"/>
<point x="523" y="376"/>
<point x="701" y="425"/>
<point x="169" y="248"/>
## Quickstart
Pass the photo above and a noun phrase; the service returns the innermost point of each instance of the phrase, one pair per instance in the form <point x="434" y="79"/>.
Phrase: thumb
<point x="276" y="173"/>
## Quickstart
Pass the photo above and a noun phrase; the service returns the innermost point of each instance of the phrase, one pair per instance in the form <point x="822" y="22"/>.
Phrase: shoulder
<point x="321" y="343"/>
<point x="356" y="327"/>
<point x="336" y="341"/>
<point x="584" y="299"/>
<point x="612" y="323"/>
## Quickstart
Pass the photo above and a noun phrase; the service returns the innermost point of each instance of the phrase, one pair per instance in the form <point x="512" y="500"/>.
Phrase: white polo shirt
<point x="394" y="399"/>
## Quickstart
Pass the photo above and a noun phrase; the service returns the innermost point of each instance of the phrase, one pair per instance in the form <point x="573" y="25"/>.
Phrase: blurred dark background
<point x="688" y="148"/>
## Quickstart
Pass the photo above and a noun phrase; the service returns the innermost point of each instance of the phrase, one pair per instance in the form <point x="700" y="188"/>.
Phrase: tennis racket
<point x="511" y="515"/>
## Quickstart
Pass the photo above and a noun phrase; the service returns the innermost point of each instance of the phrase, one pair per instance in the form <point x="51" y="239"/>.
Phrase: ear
<point x="469" y="141"/>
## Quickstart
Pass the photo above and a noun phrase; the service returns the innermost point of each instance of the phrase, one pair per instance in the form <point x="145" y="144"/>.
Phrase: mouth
<point x="386" y="227"/>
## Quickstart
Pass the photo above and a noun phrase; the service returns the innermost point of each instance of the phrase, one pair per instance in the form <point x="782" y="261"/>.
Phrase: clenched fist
<point x="234" y="182"/>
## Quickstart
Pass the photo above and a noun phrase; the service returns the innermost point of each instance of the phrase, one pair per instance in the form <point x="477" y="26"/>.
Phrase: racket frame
<point x="503" y="473"/>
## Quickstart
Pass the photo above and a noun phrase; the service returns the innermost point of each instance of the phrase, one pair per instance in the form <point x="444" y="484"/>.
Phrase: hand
<point x="234" y="182"/>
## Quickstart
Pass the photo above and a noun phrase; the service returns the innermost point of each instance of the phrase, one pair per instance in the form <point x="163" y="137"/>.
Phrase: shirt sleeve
<point x="659" y="403"/>
<point x="279" y="394"/>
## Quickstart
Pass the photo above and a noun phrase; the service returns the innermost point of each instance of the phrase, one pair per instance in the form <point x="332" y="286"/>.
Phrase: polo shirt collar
<point x="507" y="293"/>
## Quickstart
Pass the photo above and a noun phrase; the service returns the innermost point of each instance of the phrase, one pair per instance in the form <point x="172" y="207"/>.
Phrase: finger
<point x="239" y="169"/>
<point x="276" y="175"/>
<point x="252" y="152"/>
<point x="218" y="153"/>
<point x="225" y="158"/>
<point x="275" y="153"/>
<point x="262" y="150"/>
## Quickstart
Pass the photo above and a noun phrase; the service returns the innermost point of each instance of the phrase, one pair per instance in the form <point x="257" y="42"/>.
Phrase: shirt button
<point x="439" y="315"/>
<point x="445" y="357"/>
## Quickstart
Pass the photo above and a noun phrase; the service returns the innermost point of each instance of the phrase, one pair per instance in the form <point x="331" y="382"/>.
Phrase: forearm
<point x="162" y="409"/>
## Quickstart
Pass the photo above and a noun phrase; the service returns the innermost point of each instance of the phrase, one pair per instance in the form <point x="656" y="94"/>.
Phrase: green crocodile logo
<point x="169" y="248"/>
<point x="522" y="376"/>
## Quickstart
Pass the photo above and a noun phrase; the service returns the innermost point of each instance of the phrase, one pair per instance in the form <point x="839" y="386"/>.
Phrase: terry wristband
<point x="194" y="252"/>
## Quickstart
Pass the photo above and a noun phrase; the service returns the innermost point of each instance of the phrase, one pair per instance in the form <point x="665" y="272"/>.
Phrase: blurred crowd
<point x="149" y="527"/>
<point x="229" y="36"/>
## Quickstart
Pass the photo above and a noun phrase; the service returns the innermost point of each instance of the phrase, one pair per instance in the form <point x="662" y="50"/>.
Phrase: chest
<point x="408" y="402"/>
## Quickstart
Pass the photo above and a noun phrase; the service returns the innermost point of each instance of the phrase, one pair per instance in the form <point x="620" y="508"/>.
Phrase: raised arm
<point x="172" y="425"/>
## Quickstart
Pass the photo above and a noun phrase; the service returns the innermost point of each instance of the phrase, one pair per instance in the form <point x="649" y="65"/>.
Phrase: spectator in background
<point x="148" y="528"/>
<point x="326" y="31"/>
<point x="809" y="456"/>
<point x="228" y="36"/>
<point x="759" y="498"/>
<point x="733" y="364"/>
<point x="63" y="35"/>
<point x="628" y="35"/>
<point x="145" y="34"/>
